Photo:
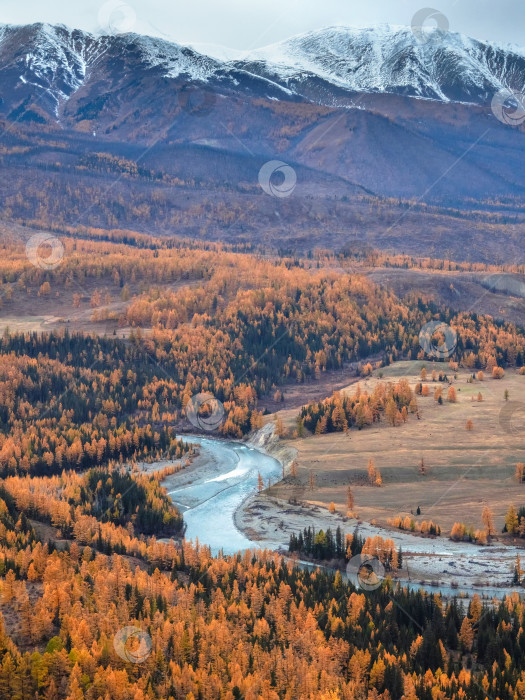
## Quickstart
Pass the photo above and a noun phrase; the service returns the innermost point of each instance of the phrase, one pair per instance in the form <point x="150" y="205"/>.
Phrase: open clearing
<point x="465" y="469"/>
<point x="28" y="311"/>
<point x="498" y="295"/>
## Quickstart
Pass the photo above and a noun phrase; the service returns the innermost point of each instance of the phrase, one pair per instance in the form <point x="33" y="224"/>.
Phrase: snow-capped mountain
<point x="43" y="60"/>
<point x="54" y="63"/>
<point x="447" y="66"/>
<point x="357" y="113"/>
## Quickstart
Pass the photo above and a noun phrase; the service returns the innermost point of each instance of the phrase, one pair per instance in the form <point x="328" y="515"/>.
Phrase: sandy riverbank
<point x="431" y="560"/>
<point x="200" y="465"/>
<point x="266" y="441"/>
<point x="264" y="518"/>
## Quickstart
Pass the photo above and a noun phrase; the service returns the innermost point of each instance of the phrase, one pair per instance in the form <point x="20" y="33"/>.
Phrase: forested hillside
<point x="249" y="626"/>
<point x="74" y="400"/>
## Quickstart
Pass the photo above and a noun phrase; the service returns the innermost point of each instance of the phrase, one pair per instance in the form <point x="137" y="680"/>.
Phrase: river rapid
<point x="228" y="475"/>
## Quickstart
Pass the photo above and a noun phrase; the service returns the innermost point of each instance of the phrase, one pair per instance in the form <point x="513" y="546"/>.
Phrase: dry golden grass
<point x="465" y="470"/>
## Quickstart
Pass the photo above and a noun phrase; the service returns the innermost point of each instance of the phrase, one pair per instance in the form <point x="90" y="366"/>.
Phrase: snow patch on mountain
<point x="176" y="60"/>
<point x="52" y="59"/>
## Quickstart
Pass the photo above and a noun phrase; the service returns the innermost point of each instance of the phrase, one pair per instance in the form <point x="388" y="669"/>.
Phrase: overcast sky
<point x="247" y="24"/>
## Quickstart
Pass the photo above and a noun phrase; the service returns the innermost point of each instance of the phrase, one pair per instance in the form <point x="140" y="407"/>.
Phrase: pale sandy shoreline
<point x="425" y="560"/>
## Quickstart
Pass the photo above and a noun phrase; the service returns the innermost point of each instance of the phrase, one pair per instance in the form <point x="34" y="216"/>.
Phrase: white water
<point x="210" y="501"/>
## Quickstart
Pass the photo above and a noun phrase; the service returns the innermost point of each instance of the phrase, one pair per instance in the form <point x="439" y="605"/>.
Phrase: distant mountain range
<point x="321" y="66"/>
<point x="360" y="114"/>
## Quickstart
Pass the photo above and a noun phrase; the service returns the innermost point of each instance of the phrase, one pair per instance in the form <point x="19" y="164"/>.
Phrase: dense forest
<point x="84" y="416"/>
<point x="73" y="400"/>
<point x="248" y="626"/>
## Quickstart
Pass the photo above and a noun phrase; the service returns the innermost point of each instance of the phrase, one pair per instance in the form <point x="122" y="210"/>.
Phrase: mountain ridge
<point x="395" y="58"/>
<point x="324" y="66"/>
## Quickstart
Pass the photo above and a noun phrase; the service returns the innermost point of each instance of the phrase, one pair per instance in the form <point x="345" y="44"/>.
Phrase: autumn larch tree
<point x="511" y="520"/>
<point x="372" y="474"/>
<point x="488" y="520"/>
<point x="466" y="635"/>
<point x="349" y="499"/>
